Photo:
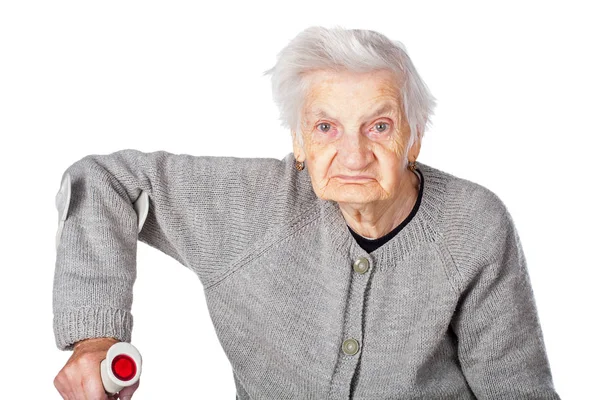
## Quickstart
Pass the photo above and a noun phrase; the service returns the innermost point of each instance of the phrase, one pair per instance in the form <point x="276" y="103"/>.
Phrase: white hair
<point x="351" y="49"/>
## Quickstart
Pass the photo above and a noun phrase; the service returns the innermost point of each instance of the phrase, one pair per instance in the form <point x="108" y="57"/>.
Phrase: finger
<point x="80" y="392"/>
<point x="68" y="386"/>
<point x="127" y="393"/>
<point x="63" y="393"/>
<point x="62" y="388"/>
<point x="93" y="388"/>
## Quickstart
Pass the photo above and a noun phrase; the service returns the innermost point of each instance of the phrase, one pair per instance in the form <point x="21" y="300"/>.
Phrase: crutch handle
<point x="122" y="367"/>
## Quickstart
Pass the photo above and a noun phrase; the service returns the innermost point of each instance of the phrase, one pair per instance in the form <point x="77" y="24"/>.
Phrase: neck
<point x="374" y="220"/>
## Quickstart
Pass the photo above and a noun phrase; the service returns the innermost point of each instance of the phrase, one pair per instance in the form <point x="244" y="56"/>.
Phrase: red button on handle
<point x="124" y="367"/>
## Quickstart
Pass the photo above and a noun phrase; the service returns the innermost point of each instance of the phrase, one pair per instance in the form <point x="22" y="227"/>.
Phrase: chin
<point x="352" y="196"/>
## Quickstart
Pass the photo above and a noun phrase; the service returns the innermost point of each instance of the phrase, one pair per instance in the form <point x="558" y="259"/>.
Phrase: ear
<point x="414" y="151"/>
<point x="298" y="148"/>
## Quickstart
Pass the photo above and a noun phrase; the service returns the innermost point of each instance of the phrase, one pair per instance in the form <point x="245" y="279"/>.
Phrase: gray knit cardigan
<point x="444" y="310"/>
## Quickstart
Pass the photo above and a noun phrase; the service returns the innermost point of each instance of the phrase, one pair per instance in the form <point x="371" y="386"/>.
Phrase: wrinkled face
<point x="354" y="136"/>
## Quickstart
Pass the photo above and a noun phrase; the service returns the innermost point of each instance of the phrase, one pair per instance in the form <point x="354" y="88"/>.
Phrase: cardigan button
<point x="361" y="265"/>
<point x="350" y="347"/>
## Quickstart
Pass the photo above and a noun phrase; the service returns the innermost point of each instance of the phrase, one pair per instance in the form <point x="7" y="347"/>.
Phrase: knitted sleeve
<point x="204" y="212"/>
<point x="500" y="343"/>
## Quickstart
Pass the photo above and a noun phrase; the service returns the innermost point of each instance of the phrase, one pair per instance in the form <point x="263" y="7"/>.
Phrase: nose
<point x="354" y="151"/>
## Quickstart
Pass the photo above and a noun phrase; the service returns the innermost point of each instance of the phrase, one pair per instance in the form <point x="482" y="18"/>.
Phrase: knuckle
<point x="73" y="372"/>
<point x="69" y="371"/>
<point x="87" y="358"/>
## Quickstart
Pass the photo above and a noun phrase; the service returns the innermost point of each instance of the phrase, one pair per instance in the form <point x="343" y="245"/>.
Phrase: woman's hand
<point x="80" y="378"/>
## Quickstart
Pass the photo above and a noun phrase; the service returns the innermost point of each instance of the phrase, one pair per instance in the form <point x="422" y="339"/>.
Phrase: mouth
<point x="356" y="178"/>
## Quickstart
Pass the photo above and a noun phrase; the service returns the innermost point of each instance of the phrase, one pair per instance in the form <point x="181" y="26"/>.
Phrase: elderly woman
<point x="346" y="270"/>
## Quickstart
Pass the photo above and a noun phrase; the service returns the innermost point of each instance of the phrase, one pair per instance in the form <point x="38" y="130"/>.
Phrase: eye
<point x="381" y="126"/>
<point x="326" y="127"/>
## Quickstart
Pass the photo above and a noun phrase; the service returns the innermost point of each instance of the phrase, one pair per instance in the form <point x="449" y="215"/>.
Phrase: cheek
<point x="396" y="144"/>
<point x="317" y="155"/>
<point x="392" y="174"/>
<point x="389" y="155"/>
<point x="318" y="166"/>
<point x="390" y="168"/>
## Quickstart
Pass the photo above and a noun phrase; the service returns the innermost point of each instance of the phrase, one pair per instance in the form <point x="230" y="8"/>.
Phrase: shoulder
<point x="270" y="189"/>
<point x="462" y="201"/>
<point x="474" y="222"/>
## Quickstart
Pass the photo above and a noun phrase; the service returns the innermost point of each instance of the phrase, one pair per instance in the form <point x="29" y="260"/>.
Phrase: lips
<point x="356" y="178"/>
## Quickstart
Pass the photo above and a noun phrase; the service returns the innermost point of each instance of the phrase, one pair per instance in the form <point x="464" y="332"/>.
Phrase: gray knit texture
<point x="445" y="311"/>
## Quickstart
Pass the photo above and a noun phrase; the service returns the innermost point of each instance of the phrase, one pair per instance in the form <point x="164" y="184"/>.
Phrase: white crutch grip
<point x="121" y="367"/>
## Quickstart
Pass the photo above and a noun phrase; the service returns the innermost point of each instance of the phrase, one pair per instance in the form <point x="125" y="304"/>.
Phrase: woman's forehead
<point x="320" y="81"/>
<point x="378" y="88"/>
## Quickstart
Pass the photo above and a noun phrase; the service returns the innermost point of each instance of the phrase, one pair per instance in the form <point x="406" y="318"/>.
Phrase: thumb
<point x="127" y="393"/>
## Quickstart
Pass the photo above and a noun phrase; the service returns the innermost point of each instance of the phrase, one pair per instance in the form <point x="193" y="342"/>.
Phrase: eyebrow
<point x="385" y="108"/>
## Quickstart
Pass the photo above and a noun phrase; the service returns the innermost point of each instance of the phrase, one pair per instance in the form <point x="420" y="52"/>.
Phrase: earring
<point x="412" y="165"/>
<point x="299" y="165"/>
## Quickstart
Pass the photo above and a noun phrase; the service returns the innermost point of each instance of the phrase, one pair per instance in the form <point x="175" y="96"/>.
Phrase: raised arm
<point x="201" y="208"/>
<point x="500" y="343"/>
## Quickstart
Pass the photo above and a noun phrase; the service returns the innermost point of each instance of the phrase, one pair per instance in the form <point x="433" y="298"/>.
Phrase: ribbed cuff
<point x="84" y="323"/>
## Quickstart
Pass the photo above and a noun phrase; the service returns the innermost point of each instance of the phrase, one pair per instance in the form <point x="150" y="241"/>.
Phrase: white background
<point x="517" y="88"/>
